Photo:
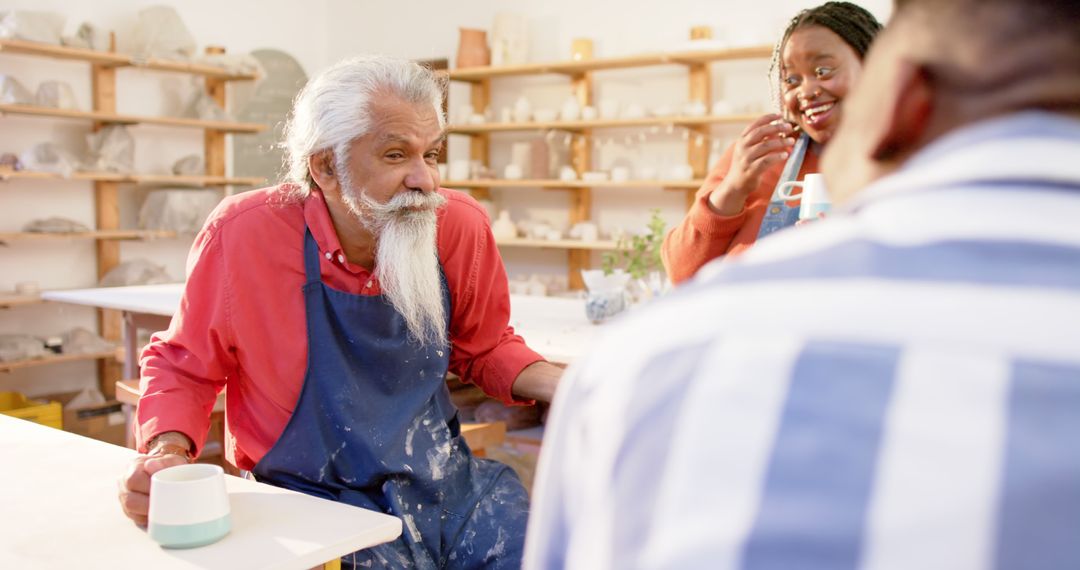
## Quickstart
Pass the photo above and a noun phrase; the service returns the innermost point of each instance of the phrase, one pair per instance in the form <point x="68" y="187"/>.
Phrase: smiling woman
<point x="817" y="60"/>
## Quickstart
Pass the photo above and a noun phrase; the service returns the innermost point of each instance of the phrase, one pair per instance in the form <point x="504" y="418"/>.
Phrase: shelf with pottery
<point x="558" y="244"/>
<point x="110" y="235"/>
<point x="170" y="179"/>
<point x="117" y="119"/>
<point x="116" y="60"/>
<point x="581" y="116"/>
<point x="579" y="67"/>
<point x="581" y="125"/>
<point x="574" y="184"/>
<point x="103" y="74"/>
<point x="11" y="300"/>
<point x="56" y="359"/>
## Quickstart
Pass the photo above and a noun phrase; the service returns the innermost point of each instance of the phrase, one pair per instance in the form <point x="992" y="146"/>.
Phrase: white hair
<point x="333" y="109"/>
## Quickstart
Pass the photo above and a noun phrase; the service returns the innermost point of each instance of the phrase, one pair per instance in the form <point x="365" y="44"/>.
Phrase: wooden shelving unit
<point x="116" y="119"/>
<point x="112" y="59"/>
<point x="161" y="179"/>
<point x="582" y="83"/>
<point x="576" y="184"/>
<point x="580" y="126"/>
<point x="108" y="234"/>
<point x="579" y="67"/>
<point x="56" y="359"/>
<point x="10" y="300"/>
<point x="558" y="244"/>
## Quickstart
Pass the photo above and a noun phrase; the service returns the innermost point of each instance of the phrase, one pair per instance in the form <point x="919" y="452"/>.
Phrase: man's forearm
<point x="537" y="381"/>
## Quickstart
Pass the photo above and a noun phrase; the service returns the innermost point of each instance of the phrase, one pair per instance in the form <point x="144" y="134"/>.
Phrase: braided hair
<point x="853" y="23"/>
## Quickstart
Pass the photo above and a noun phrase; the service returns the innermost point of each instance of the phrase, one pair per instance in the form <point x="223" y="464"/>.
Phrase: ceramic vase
<point x="473" y="48"/>
<point x="504" y="227"/>
<point x="510" y="39"/>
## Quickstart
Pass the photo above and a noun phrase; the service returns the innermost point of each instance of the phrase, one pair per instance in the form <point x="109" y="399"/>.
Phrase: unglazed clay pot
<point x="473" y="48"/>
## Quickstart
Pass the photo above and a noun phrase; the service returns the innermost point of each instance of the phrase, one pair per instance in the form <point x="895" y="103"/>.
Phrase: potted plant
<point x="639" y="257"/>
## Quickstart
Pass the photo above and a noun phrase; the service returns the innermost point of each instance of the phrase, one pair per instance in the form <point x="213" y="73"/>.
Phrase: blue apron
<point x="374" y="427"/>
<point x="779" y="215"/>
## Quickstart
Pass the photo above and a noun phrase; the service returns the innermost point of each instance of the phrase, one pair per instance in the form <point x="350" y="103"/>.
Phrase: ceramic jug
<point x="473" y="48"/>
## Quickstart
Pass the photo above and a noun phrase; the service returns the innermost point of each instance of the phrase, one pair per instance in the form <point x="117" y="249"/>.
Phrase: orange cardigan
<point x="704" y="235"/>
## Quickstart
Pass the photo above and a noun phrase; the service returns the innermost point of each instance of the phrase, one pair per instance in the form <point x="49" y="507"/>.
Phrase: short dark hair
<point x="1041" y="17"/>
<point x="853" y="23"/>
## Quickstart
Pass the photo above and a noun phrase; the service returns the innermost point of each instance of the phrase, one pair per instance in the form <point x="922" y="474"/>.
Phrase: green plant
<point x="640" y="254"/>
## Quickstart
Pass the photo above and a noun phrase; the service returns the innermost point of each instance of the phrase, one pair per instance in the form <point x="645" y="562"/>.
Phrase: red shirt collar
<point x="318" y="220"/>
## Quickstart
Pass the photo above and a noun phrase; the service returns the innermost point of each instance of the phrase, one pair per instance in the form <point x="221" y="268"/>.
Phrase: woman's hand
<point x="765" y="142"/>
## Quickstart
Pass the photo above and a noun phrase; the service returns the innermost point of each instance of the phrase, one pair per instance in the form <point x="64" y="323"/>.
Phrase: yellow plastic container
<point x="38" y="411"/>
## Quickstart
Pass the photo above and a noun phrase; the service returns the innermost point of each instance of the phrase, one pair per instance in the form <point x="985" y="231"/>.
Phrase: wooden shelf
<point x="474" y="74"/>
<point x="557" y="244"/>
<point x="559" y="184"/>
<point x="113" y="118"/>
<point x="111" y="59"/>
<point x="9" y="300"/>
<point x="683" y="121"/>
<point x="8" y="237"/>
<point x="8" y="174"/>
<point x="55" y="359"/>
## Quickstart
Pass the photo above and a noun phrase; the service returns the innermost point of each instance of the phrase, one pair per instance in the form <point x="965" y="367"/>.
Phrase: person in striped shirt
<point x="897" y="386"/>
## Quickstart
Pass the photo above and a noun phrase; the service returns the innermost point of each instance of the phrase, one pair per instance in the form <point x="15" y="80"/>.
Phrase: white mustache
<point x="405" y="202"/>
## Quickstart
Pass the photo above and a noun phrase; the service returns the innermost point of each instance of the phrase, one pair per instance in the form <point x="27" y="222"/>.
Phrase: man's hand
<point x="167" y="450"/>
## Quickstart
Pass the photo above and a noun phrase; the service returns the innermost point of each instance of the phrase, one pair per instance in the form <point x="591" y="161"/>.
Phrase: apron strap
<point x="311" y="258"/>
<point x="778" y="215"/>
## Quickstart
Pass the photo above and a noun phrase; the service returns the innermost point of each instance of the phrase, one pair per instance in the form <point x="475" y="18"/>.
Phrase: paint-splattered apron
<point x="374" y="427"/>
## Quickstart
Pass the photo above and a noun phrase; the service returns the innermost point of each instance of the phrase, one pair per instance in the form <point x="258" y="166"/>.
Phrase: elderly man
<point x="895" y="387"/>
<point x="331" y="308"/>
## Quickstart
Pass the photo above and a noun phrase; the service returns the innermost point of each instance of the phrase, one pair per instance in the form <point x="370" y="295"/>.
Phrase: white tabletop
<point x="556" y="328"/>
<point x="149" y="299"/>
<point x="59" y="509"/>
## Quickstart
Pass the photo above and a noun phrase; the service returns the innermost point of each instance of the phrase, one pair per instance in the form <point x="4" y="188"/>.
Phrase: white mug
<point x="814" y="198"/>
<point x="188" y="506"/>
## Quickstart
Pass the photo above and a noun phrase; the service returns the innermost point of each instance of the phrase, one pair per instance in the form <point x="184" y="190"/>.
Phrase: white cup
<point x="188" y="506"/>
<point x="814" y="198"/>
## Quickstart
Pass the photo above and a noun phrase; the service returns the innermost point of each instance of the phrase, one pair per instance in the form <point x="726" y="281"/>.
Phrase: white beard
<point x="406" y="257"/>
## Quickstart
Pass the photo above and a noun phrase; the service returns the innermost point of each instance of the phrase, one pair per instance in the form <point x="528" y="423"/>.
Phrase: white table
<point x="60" y="510"/>
<point x="556" y="328"/>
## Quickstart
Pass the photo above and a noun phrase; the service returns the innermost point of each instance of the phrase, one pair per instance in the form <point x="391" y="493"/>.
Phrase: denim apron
<point x="374" y="427"/>
<point x="778" y="215"/>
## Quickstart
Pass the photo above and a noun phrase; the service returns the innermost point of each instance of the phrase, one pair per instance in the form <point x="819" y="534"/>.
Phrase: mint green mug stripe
<point x="190" y="535"/>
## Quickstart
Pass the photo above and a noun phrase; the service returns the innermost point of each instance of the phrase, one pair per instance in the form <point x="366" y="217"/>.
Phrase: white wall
<point x="238" y="25"/>
<point x="429" y="30"/>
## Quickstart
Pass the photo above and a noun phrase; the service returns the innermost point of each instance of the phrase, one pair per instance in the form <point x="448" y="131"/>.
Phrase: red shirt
<point x="242" y="320"/>
<point x="704" y="235"/>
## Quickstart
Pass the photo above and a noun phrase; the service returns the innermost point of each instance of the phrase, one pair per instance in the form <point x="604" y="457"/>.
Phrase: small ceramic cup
<point x="189" y="506"/>
<point x="814" y="199"/>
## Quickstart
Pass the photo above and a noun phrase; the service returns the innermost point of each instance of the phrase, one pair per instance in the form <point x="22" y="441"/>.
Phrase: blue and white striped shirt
<point x="895" y="387"/>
